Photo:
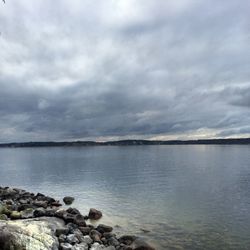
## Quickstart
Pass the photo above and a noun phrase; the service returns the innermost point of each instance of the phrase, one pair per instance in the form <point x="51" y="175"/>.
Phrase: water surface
<point x="187" y="197"/>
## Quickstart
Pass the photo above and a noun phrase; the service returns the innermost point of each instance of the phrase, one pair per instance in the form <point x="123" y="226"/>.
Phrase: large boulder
<point x="30" y="234"/>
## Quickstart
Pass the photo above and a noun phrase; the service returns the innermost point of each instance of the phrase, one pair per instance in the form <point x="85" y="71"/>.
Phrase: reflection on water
<point x="182" y="197"/>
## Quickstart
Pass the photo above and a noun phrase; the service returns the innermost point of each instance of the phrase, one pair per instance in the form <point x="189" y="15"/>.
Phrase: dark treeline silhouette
<point x="127" y="143"/>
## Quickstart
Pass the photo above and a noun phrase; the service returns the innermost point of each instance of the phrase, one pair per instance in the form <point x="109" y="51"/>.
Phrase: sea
<point x="176" y="197"/>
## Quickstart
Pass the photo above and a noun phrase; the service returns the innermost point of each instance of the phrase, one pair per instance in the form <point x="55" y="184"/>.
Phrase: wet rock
<point x="104" y="228"/>
<point x="127" y="239"/>
<point x="112" y="241"/>
<point x="68" y="200"/>
<point x="94" y="214"/>
<point x="108" y="235"/>
<point x="79" y="220"/>
<point x="73" y="211"/>
<point x="95" y="235"/>
<point x="139" y="244"/>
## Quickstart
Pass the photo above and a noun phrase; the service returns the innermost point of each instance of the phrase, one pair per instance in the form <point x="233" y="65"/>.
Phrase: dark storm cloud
<point x="124" y="69"/>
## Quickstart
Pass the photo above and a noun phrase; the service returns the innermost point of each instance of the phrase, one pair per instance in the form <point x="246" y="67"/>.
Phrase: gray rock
<point x="87" y="239"/>
<point x="72" y="239"/>
<point x="139" y="244"/>
<point x="109" y="248"/>
<point x="127" y="239"/>
<point x="68" y="200"/>
<point x="104" y="228"/>
<point x="27" y="213"/>
<point x="95" y="235"/>
<point x="66" y="246"/>
<point x="81" y="246"/>
<point x="63" y="230"/>
<point x="85" y="230"/>
<point x="30" y="234"/>
<point x="97" y="246"/>
<point x="112" y="241"/>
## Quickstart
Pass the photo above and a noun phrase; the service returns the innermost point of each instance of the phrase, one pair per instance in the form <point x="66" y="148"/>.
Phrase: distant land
<point x="125" y="143"/>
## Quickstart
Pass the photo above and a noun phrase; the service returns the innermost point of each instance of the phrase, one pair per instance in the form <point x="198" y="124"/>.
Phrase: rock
<point x="50" y="212"/>
<point x="139" y="244"/>
<point x="87" y="239"/>
<point x="30" y="234"/>
<point x="104" y="228"/>
<point x="27" y="213"/>
<point x="112" y="241"/>
<point x="127" y="239"/>
<point x="68" y="200"/>
<point x="38" y="203"/>
<point x="94" y="214"/>
<point x="109" y="248"/>
<point x="5" y="210"/>
<point x="97" y="246"/>
<point x="60" y="213"/>
<point x="85" y="230"/>
<point x="15" y="215"/>
<point x="108" y="235"/>
<point x="73" y="211"/>
<point x="81" y="246"/>
<point x="39" y="212"/>
<point x="95" y="235"/>
<point x="3" y="217"/>
<point x="72" y="227"/>
<point x="69" y="218"/>
<point x="79" y="220"/>
<point x="55" y="203"/>
<point x="72" y="239"/>
<point x="62" y="230"/>
<point x="66" y="246"/>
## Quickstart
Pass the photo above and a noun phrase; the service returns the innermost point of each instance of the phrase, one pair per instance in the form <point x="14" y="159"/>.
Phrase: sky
<point x="124" y="69"/>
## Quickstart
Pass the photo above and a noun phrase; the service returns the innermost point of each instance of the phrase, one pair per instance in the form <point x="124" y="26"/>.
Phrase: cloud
<point x="124" y="69"/>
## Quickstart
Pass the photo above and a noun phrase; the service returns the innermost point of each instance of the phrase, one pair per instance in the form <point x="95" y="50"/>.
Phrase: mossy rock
<point x="15" y="215"/>
<point x="4" y="210"/>
<point x="3" y="217"/>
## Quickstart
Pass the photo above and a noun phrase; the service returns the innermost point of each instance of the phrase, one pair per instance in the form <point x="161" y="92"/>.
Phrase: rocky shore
<point x="31" y="221"/>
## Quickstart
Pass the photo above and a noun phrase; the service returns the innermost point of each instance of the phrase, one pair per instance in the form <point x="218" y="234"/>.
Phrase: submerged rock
<point x="68" y="200"/>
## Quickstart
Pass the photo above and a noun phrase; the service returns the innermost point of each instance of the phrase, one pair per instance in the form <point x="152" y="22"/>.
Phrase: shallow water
<point x="187" y="197"/>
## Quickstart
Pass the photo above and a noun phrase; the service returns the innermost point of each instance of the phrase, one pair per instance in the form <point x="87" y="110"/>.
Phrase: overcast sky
<point x="116" y="69"/>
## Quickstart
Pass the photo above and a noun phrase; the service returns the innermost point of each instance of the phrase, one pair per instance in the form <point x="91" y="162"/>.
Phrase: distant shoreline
<point x="229" y="141"/>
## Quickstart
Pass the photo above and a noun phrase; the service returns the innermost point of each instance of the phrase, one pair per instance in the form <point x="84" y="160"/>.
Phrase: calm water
<point x="188" y="197"/>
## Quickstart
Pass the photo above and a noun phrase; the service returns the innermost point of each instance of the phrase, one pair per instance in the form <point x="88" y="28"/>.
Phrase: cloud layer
<point x="113" y="69"/>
